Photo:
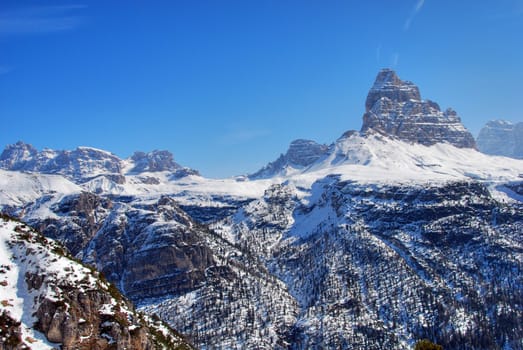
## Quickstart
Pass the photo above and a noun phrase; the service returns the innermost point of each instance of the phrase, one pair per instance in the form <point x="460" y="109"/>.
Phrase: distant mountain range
<point x="394" y="233"/>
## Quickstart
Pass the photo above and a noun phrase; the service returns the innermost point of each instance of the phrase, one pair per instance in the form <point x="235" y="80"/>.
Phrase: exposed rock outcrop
<point x="71" y="305"/>
<point x="394" y="107"/>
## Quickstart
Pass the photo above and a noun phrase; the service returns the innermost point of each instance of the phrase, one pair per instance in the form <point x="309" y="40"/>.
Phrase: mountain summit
<point x="394" y="107"/>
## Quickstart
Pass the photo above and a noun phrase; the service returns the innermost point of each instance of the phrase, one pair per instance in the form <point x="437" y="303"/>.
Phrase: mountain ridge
<point x="372" y="242"/>
<point x="85" y="163"/>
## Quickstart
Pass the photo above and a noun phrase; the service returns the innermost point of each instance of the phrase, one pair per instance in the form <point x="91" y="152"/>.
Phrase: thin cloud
<point x="415" y="11"/>
<point x="395" y="59"/>
<point x="39" y="19"/>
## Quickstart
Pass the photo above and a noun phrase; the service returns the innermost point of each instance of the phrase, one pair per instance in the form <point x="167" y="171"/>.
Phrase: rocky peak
<point x="501" y="138"/>
<point x="159" y="161"/>
<point x="304" y="152"/>
<point x="388" y="84"/>
<point x="154" y="161"/>
<point x="394" y="108"/>
<point x="17" y="155"/>
<point x="301" y="153"/>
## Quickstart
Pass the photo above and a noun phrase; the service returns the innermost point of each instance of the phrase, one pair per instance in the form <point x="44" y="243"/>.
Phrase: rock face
<point x="501" y="138"/>
<point x="301" y="153"/>
<point x="394" y="107"/>
<point x="65" y="303"/>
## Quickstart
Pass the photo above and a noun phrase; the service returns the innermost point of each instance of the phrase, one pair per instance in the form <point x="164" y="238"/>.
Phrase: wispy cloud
<point x="417" y="8"/>
<point x="395" y="59"/>
<point x="39" y="19"/>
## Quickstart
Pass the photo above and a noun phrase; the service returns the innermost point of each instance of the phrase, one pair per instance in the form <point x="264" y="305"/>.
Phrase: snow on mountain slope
<point x="17" y="190"/>
<point x="379" y="265"/>
<point x="15" y="293"/>
<point x="400" y="232"/>
<point x="48" y="300"/>
<point x="357" y="157"/>
<point x="370" y="158"/>
<point x="87" y="163"/>
<point x="301" y="153"/>
<point x="375" y="158"/>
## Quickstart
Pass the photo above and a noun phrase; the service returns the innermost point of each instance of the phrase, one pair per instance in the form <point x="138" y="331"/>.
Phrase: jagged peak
<point x="21" y="146"/>
<point x="389" y="85"/>
<point x="154" y="161"/>
<point x="386" y="76"/>
<point x="394" y="108"/>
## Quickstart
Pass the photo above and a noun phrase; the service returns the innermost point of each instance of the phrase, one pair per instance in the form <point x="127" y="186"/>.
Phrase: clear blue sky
<point x="227" y="85"/>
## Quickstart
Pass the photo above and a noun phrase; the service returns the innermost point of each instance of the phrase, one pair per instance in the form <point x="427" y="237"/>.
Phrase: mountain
<point x="501" y="138"/>
<point x="86" y="163"/>
<point x="301" y="153"/>
<point x="394" y="107"/>
<point x="172" y="266"/>
<point x="373" y="242"/>
<point x="50" y="300"/>
<point x="376" y="266"/>
<point x="78" y="164"/>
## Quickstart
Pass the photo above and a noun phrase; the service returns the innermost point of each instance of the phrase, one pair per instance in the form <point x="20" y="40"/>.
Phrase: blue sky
<point x="227" y="85"/>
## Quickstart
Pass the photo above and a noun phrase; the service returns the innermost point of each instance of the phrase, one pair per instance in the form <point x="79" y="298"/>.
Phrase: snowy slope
<point x="372" y="242"/>
<point x="361" y="158"/>
<point x="15" y="294"/>
<point x="17" y="188"/>
<point x="380" y="159"/>
<point x="48" y="300"/>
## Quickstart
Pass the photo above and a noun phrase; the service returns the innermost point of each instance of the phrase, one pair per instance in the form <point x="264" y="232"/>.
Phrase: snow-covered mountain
<point x="86" y="163"/>
<point x="377" y="266"/>
<point x="501" y="138"/>
<point x="376" y="241"/>
<point x="49" y="300"/>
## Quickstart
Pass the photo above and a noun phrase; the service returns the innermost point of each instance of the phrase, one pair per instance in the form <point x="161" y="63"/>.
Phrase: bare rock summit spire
<point x="394" y="107"/>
